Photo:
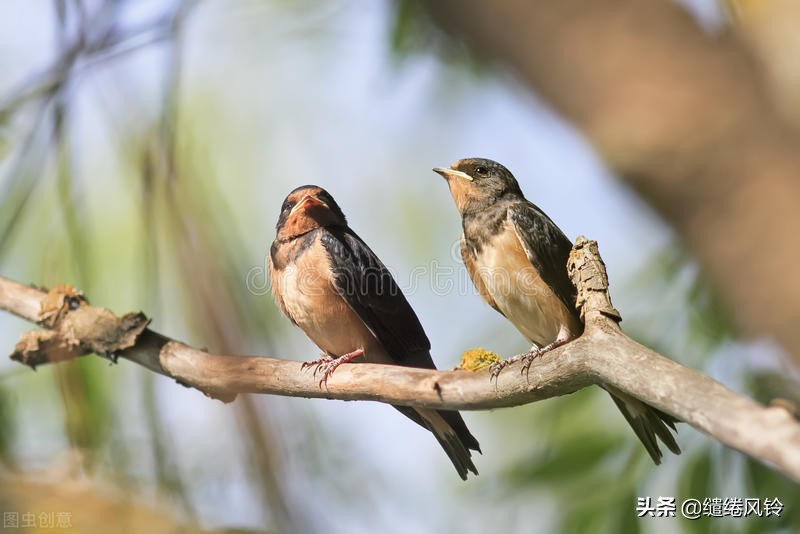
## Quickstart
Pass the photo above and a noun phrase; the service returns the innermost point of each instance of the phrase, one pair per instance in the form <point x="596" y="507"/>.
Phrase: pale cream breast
<point x="518" y="290"/>
<point x="310" y="301"/>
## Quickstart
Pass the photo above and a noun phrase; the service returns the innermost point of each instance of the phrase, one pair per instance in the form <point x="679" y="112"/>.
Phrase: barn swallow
<point x="328" y="282"/>
<point x="517" y="258"/>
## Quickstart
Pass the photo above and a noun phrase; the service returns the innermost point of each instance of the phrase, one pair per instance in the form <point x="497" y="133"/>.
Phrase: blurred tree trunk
<point x="683" y="116"/>
<point x="772" y="30"/>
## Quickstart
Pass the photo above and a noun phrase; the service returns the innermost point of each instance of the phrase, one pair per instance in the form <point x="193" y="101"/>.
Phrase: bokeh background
<point x="146" y="147"/>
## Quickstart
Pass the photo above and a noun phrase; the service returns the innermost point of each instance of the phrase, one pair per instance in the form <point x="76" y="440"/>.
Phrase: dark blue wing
<point x="547" y="249"/>
<point x="369" y="289"/>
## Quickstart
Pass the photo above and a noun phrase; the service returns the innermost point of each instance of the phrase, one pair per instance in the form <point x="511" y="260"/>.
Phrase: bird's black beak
<point x="306" y="202"/>
<point x="451" y="173"/>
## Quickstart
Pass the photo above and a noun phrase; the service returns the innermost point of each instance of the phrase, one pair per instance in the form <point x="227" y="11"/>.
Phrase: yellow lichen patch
<point x="477" y="359"/>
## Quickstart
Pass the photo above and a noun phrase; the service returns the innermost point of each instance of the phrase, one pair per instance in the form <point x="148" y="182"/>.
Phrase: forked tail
<point x="647" y="422"/>
<point x="452" y="434"/>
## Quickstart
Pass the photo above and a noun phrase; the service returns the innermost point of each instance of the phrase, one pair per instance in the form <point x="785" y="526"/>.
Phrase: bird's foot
<point x="496" y="367"/>
<point x="323" y="358"/>
<point x="535" y="352"/>
<point x="326" y="365"/>
<point x="526" y="358"/>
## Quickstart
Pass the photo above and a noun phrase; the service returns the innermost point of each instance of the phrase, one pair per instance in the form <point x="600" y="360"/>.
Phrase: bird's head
<point x="477" y="183"/>
<point x="307" y="208"/>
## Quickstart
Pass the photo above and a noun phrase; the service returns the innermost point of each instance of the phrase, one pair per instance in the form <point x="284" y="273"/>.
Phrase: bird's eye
<point x="286" y="206"/>
<point x="483" y="171"/>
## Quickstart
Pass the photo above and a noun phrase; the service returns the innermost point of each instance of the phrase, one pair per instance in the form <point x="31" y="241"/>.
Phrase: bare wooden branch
<point x="604" y="355"/>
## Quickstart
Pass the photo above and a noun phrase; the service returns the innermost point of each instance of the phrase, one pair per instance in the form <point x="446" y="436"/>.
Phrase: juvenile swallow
<point x="517" y="258"/>
<point x="328" y="282"/>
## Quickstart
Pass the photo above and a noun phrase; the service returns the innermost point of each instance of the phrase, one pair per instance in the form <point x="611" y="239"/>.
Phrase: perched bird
<point x="517" y="258"/>
<point x="328" y="282"/>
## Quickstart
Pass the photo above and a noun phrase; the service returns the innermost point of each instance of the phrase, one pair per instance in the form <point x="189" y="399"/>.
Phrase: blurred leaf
<point x="7" y="425"/>
<point x="164" y="452"/>
<point x="86" y="403"/>
<point x="766" y="483"/>
<point x="96" y="388"/>
<point x="585" y="521"/>
<point x="623" y="518"/>
<point x="413" y="32"/>
<point x="710" y="324"/>
<point x="566" y="461"/>
<point x="689" y="319"/>
<point x="696" y="482"/>
<point x="406" y="27"/>
<point x="768" y="385"/>
<point x="70" y="201"/>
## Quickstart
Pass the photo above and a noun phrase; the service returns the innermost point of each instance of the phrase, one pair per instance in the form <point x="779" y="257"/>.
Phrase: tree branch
<point x="602" y="355"/>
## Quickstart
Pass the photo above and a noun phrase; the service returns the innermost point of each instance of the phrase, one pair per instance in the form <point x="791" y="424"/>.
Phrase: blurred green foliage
<point x="413" y="32"/>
